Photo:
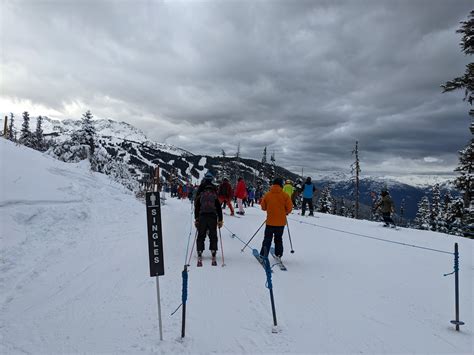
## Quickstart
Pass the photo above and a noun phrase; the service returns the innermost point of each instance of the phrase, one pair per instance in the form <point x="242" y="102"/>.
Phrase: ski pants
<point x="306" y="201"/>
<point x="270" y="232"/>
<point x="226" y="201"/>
<point x="239" y="203"/>
<point x="387" y="219"/>
<point x="207" y="222"/>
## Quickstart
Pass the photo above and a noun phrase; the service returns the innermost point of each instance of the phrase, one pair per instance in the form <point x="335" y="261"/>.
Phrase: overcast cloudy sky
<point x="305" y="78"/>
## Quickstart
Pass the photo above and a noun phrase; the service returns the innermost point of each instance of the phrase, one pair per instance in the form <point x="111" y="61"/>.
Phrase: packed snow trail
<point x="74" y="266"/>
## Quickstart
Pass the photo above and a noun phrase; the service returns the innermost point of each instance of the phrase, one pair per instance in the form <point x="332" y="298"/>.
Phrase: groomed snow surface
<point x="75" y="278"/>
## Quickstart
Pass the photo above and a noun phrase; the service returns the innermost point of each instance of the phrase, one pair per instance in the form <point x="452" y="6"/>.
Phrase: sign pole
<point x="159" y="306"/>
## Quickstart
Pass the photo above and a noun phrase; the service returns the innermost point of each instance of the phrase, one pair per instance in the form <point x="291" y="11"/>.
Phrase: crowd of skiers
<point x="210" y="199"/>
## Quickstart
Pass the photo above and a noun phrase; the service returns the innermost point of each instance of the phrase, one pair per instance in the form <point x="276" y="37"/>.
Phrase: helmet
<point x="288" y="181"/>
<point x="208" y="176"/>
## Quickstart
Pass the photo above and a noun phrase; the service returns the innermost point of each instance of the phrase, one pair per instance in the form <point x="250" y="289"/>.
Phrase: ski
<point x="258" y="257"/>
<point x="280" y="263"/>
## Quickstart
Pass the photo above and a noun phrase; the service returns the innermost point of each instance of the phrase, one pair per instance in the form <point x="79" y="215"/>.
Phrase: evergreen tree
<point x="465" y="182"/>
<point x="325" y="200"/>
<point x="26" y="138"/>
<point x="11" y="128"/>
<point x="435" y="218"/>
<point x="355" y="168"/>
<point x="85" y="137"/>
<point x="342" y="209"/>
<point x="39" y="142"/>
<point x="272" y="167"/>
<point x="454" y="223"/>
<point x="423" y="216"/>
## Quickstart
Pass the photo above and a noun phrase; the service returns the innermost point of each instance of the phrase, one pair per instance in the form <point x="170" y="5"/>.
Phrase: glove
<point x="220" y="224"/>
<point x="196" y="223"/>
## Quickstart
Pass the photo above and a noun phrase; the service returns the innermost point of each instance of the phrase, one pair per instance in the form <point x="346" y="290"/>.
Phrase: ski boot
<point x="199" y="263"/>
<point x="214" y="261"/>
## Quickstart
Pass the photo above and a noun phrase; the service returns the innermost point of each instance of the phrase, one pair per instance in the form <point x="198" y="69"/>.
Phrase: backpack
<point x="207" y="199"/>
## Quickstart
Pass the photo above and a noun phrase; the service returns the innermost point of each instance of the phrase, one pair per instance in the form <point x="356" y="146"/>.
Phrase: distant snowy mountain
<point x="124" y="141"/>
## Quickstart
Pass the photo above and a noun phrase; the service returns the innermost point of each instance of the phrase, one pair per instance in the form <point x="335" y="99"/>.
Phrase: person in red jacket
<point x="240" y="194"/>
<point x="225" y="194"/>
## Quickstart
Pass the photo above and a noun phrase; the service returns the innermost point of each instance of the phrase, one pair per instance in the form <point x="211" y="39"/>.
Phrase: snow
<point x="75" y="278"/>
<point x="202" y="161"/>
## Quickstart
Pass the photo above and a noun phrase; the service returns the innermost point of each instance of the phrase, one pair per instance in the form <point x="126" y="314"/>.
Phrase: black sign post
<point x="155" y="244"/>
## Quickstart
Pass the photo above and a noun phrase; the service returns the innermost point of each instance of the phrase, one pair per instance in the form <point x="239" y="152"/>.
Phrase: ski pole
<point x="289" y="235"/>
<point x="245" y="246"/>
<point x="222" y="248"/>
<point x="192" y="248"/>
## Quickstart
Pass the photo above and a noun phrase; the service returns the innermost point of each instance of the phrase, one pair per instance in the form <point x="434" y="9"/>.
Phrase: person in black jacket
<point x="208" y="216"/>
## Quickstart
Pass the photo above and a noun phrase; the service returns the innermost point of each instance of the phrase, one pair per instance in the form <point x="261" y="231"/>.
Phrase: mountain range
<point x="132" y="146"/>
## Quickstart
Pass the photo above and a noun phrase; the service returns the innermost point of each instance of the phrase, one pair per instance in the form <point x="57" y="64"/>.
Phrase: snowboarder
<point x="308" y="192"/>
<point x="240" y="194"/>
<point x="208" y="216"/>
<point x="387" y="207"/>
<point x="278" y="205"/>
<point x="225" y="194"/>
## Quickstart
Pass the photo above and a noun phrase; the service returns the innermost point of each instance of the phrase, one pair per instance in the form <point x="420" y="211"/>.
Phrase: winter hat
<point x="288" y="181"/>
<point x="278" y="181"/>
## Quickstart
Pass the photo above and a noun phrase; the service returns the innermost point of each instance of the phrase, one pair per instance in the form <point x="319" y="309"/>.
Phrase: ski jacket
<point x="278" y="205"/>
<point x="225" y="190"/>
<point x="251" y="193"/>
<point x="386" y="205"/>
<point x="241" y="190"/>
<point x="289" y="189"/>
<point x="308" y="190"/>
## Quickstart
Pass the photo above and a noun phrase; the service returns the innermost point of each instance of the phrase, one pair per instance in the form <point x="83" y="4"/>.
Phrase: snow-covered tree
<point x="26" y="137"/>
<point x="272" y="167"/>
<point x="454" y="218"/>
<point x="435" y="218"/>
<point x="342" y="208"/>
<point x="465" y="182"/>
<point x="11" y="128"/>
<point x="423" y="215"/>
<point x="86" y="135"/>
<point x="115" y="168"/>
<point x="39" y="142"/>
<point x="325" y="200"/>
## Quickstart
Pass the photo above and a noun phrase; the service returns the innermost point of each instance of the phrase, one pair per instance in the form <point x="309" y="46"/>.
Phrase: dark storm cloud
<point x="305" y="78"/>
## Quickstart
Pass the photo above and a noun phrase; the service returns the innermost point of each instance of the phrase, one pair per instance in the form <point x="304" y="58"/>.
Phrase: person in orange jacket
<point x="278" y="205"/>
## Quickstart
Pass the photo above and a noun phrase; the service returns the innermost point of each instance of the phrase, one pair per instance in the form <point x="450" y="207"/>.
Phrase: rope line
<point x="236" y="236"/>
<point x="370" y="237"/>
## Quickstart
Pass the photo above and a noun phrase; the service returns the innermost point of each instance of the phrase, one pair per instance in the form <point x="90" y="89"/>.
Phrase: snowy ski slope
<point x="74" y="277"/>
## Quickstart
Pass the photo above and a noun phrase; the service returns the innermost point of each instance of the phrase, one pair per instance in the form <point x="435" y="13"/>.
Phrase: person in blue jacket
<point x="308" y="192"/>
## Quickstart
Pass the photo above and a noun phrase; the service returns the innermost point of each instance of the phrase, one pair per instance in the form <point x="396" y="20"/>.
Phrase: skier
<point x="208" y="216"/>
<point x="251" y="197"/>
<point x="387" y="207"/>
<point x="278" y="205"/>
<point x="225" y="194"/>
<point x="288" y="188"/>
<point x="240" y="194"/>
<point x="308" y="192"/>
